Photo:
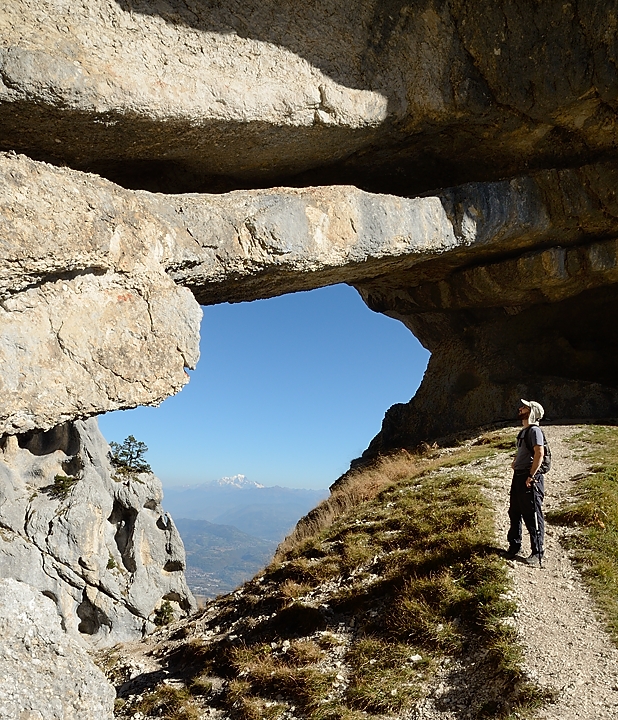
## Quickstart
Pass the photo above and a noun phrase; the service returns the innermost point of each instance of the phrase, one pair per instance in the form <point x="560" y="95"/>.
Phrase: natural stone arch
<point x="473" y="271"/>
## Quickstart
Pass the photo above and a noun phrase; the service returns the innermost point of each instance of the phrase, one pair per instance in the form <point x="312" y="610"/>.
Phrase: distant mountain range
<point x="264" y="512"/>
<point x="231" y="528"/>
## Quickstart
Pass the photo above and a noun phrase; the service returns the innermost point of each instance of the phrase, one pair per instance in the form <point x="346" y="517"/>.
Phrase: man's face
<point x="523" y="412"/>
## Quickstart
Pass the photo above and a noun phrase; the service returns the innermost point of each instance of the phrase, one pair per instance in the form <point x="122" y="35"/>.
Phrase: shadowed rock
<point x="393" y="96"/>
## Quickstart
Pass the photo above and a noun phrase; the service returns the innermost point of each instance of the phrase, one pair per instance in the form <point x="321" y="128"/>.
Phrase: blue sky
<point x="287" y="391"/>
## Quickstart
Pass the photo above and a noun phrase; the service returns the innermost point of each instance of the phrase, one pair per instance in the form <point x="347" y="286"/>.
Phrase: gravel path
<point x="566" y="646"/>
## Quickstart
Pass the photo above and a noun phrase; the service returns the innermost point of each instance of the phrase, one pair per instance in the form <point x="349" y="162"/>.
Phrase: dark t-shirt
<point x="524" y="458"/>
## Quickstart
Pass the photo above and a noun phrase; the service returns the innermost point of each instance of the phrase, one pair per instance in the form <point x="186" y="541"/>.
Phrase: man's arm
<point x="539" y="453"/>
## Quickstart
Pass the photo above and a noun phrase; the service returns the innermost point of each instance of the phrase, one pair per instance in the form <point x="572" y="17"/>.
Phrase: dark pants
<point x="527" y="504"/>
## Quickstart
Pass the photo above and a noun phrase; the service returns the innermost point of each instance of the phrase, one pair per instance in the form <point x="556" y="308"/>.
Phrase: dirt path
<point x="566" y="646"/>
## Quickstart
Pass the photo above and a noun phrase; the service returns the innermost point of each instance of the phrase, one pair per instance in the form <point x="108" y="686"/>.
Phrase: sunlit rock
<point x="97" y="542"/>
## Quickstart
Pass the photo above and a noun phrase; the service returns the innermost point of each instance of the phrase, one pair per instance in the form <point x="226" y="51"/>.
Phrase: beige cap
<point x="536" y="410"/>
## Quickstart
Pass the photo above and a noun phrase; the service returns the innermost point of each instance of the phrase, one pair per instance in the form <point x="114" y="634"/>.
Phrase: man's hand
<point x="539" y="452"/>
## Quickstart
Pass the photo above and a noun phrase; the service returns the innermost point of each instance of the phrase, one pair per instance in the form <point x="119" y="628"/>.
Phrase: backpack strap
<point x="527" y="439"/>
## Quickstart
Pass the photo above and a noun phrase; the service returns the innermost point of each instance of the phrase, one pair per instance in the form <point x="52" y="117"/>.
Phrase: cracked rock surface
<point x="99" y="288"/>
<point x="89" y="319"/>
<point x="99" y="544"/>
<point x="46" y="675"/>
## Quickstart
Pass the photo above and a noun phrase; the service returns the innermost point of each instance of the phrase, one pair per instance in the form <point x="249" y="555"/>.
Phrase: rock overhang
<point x="393" y="97"/>
<point x="96" y="310"/>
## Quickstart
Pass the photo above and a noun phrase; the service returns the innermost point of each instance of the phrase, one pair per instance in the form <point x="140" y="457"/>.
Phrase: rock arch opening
<point x="305" y="378"/>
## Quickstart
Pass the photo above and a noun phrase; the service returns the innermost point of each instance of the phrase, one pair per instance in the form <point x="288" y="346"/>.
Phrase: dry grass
<point x="594" y="510"/>
<point x="354" y="488"/>
<point x="267" y="676"/>
<point x="293" y="590"/>
<point x="387" y="678"/>
<point x="402" y="557"/>
<point x="363" y="484"/>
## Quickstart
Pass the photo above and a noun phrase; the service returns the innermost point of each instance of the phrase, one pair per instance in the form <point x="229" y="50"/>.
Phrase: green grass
<point x="63" y="484"/>
<point x="594" y="510"/>
<point x="386" y="677"/>
<point x="168" y="702"/>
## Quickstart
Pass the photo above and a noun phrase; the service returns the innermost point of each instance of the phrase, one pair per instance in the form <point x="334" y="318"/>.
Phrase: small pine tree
<point x="129" y="456"/>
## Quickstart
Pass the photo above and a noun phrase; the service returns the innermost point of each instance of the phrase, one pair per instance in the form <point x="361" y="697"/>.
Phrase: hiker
<point x="527" y="487"/>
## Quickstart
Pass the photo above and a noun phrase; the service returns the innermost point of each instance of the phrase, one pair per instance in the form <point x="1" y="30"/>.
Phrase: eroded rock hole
<point x="63" y="437"/>
<point x="174" y="566"/>
<point x="124" y="519"/>
<point x="163" y="522"/>
<point x="73" y="466"/>
<point x="92" y="618"/>
<point x="183" y="602"/>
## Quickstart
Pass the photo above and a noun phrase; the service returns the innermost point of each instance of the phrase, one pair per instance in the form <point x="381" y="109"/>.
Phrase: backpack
<point x="545" y="466"/>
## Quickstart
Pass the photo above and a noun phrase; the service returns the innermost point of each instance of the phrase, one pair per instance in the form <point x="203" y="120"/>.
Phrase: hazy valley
<point x="231" y="528"/>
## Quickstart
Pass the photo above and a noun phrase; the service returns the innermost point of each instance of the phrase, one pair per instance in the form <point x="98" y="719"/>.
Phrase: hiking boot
<point x="512" y="552"/>
<point x="534" y="560"/>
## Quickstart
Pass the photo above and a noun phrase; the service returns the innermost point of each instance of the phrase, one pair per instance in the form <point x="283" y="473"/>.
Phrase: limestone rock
<point x="85" y="303"/>
<point x="478" y="273"/>
<point x="395" y="97"/>
<point x="46" y="675"/>
<point x="99" y="544"/>
<point x="255" y="244"/>
<point x="508" y="276"/>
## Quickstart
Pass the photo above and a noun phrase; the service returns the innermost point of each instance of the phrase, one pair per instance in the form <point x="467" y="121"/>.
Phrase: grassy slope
<point x="395" y="572"/>
<point x="594" y="510"/>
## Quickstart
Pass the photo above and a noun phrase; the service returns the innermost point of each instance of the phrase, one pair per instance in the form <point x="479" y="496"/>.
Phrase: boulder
<point x="46" y="675"/>
<point x="96" y="542"/>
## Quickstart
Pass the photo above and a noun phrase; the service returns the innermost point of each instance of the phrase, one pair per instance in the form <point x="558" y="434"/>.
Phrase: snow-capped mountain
<point x="259" y="510"/>
<point x="237" y="481"/>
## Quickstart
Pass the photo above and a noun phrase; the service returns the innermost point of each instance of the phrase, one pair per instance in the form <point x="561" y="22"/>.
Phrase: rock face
<point x="85" y="303"/>
<point x="475" y="272"/>
<point x="393" y="96"/>
<point x="45" y="674"/>
<point x="98" y="544"/>
<point x="508" y="276"/>
<point x="534" y="324"/>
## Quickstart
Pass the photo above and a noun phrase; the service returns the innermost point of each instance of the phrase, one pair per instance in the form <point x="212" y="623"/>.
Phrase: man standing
<point x="527" y="487"/>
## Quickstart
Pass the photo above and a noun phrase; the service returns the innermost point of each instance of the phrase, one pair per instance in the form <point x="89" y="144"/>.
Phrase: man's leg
<point x="532" y="511"/>
<point x="515" y="517"/>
